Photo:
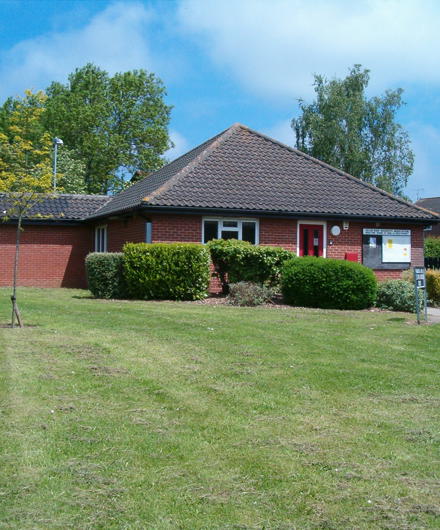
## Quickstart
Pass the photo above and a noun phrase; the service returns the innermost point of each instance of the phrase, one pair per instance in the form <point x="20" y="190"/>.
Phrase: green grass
<point x="176" y="415"/>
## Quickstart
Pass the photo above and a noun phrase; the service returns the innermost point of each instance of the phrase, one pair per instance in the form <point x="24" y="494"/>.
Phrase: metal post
<point x="55" y="152"/>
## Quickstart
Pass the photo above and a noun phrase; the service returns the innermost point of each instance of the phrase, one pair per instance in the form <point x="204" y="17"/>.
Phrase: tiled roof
<point x="241" y="169"/>
<point x="430" y="203"/>
<point x="62" y="207"/>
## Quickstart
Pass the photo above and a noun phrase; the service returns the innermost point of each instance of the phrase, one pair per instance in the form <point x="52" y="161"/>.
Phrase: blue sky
<point x="242" y="61"/>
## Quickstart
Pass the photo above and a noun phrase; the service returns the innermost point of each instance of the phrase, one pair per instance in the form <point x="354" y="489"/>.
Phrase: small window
<point x="245" y="230"/>
<point x="148" y="232"/>
<point x="101" y="239"/>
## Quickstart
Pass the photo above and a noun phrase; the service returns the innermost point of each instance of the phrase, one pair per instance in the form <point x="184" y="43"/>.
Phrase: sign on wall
<point x="385" y="247"/>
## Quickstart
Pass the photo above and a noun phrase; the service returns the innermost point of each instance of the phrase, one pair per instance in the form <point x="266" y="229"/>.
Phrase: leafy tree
<point x="116" y="125"/>
<point x="25" y="169"/>
<point x="357" y="134"/>
<point x="71" y="172"/>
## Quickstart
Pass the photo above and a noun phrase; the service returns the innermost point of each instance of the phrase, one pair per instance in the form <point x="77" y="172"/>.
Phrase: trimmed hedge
<point x="166" y="271"/>
<point x="239" y="261"/>
<point x="432" y="247"/>
<point x="396" y="295"/>
<point x="104" y="274"/>
<point x="328" y="284"/>
<point x="433" y="286"/>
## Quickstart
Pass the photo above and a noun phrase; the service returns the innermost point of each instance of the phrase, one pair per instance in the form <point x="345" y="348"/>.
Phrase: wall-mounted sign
<point x="385" y="232"/>
<point x="386" y="248"/>
<point x="335" y="230"/>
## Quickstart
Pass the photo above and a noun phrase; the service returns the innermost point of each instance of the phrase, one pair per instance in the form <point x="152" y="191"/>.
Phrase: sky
<point x="247" y="61"/>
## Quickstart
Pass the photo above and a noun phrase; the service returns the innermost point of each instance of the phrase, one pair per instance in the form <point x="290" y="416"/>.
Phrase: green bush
<point x="432" y="247"/>
<point x="249" y="294"/>
<point x="396" y="295"/>
<point x="166" y="271"/>
<point x="239" y="261"/>
<point x="328" y="283"/>
<point x="433" y="286"/>
<point x="104" y="275"/>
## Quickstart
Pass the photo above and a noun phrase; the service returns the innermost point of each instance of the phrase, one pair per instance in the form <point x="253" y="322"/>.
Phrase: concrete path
<point x="434" y="315"/>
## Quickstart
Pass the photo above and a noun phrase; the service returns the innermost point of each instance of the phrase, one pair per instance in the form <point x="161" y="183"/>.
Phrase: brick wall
<point x="53" y="256"/>
<point x="50" y="256"/>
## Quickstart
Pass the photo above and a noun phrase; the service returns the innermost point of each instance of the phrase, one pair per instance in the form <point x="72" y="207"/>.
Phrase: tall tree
<point x="116" y="125"/>
<point x="25" y="169"/>
<point x="357" y="134"/>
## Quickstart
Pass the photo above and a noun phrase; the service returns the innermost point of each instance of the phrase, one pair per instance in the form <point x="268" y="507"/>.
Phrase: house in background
<point x="432" y="204"/>
<point x="240" y="184"/>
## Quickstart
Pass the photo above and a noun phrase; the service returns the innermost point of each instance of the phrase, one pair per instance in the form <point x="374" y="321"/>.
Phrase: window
<point x="243" y="229"/>
<point x="101" y="239"/>
<point x="148" y="232"/>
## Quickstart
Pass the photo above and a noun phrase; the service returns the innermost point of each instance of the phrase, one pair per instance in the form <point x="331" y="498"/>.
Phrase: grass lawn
<point x="176" y="415"/>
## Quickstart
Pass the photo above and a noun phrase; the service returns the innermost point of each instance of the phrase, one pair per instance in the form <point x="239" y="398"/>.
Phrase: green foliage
<point x="163" y="271"/>
<point x="328" y="284"/>
<point x="396" y="295"/>
<point x="114" y="124"/>
<point x="238" y="261"/>
<point x="433" y="286"/>
<point x="354" y="133"/>
<point x="249" y="294"/>
<point x="432" y="247"/>
<point x="104" y="274"/>
<point x="71" y="172"/>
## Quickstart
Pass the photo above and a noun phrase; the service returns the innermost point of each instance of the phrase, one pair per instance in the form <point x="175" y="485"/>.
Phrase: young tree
<point x="357" y="134"/>
<point x="25" y="169"/>
<point x="116" y="125"/>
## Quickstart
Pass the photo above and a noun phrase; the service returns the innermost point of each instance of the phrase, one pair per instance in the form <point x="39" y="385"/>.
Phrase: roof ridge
<point x="332" y="168"/>
<point x="219" y="139"/>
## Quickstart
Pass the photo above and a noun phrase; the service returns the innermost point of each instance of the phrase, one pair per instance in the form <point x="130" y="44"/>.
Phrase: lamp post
<point x="56" y="143"/>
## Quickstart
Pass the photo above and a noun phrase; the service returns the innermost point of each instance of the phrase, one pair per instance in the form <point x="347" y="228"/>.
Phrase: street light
<point x="56" y="143"/>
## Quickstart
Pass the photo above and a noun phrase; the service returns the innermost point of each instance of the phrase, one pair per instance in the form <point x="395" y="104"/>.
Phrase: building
<point x="433" y="204"/>
<point x="240" y="184"/>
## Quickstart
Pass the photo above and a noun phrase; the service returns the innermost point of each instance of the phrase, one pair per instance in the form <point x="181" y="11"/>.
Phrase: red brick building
<point x="239" y="184"/>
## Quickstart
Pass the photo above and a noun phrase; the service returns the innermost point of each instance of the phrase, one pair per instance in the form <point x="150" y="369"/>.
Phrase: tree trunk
<point x="15" y="310"/>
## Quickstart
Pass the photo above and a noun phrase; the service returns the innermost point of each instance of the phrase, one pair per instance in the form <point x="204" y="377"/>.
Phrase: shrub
<point x="166" y="271"/>
<point x="328" y="283"/>
<point x="396" y="295"/>
<point x="432" y="247"/>
<point x="433" y="286"/>
<point x="249" y="294"/>
<point x="104" y="275"/>
<point x="237" y="261"/>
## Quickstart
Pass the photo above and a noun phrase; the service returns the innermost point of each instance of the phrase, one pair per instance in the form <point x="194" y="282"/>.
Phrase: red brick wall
<point x="50" y="256"/>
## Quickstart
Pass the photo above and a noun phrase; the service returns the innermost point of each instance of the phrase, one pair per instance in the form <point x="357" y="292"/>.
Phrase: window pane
<point x="148" y="232"/>
<point x="248" y="232"/>
<point x="230" y="224"/>
<point x="306" y="242"/>
<point x="229" y="234"/>
<point x="210" y="230"/>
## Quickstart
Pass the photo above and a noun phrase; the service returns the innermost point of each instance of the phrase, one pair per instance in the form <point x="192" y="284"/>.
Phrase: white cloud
<point x="424" y="182"/>
<point x="115" y="39"/>
<point x="274" y="47"/>
<point x="180" y="145"/>
<point x="283" y="132"/>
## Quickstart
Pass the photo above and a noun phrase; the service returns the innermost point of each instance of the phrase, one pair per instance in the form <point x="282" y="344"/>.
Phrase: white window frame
<point x="239" y="229"/>
<point x="312" y="222"/>
<point x="98" y="230"/>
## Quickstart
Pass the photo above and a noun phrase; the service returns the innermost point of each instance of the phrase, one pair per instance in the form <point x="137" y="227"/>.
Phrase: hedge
<point x="104" y="275"/>
<point x="432" y="247"/>
<point x="328" y="283"/>
<point x="239" y="261"/>
<point x="433" y="286"/>
<point x="166" y="271"/>
<point x="396" y="295"/>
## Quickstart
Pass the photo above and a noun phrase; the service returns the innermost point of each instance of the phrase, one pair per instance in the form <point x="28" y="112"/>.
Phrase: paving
<point x="434" y="315"/>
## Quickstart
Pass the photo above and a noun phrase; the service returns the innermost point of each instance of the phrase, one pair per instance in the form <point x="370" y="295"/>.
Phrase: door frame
<point x="312" y="222"/>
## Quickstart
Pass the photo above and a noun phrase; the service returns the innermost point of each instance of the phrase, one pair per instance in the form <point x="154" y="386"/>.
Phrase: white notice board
<point x="396" y="249"/>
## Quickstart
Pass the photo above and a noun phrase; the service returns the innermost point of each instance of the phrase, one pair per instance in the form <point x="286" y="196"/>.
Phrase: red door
<point x="311" y="240"/>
